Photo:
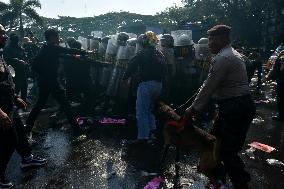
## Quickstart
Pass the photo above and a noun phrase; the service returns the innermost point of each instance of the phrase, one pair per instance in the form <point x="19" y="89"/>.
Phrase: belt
<point x="227" y="100"/>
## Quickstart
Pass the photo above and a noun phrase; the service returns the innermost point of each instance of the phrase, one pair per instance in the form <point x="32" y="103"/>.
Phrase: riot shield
<point x="111" y="50"/>
<point x="94" y="44"/>
<point x="84" y="42"/>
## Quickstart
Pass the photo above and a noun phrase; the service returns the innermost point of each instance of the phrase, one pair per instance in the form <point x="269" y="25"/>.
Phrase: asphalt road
<point x="99" y="158"/>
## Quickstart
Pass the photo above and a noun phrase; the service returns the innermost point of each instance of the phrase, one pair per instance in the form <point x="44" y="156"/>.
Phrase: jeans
<point x="147" y="93"/>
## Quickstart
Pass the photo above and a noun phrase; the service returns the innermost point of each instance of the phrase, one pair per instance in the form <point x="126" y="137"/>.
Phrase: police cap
<point x="219" y="30"/>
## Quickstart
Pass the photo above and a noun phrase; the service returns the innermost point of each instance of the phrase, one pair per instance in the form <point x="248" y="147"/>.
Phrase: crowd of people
<point x="122" y="73"/>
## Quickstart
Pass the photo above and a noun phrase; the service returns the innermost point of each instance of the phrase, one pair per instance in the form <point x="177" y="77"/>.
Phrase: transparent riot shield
<point x="94" y="44"/>
<point x="131" y="47"/>
<point x="84" y="42"/>
<point x="202" y="58"/>
<point x="178" y="33"/>
<point x="111" y="50"/>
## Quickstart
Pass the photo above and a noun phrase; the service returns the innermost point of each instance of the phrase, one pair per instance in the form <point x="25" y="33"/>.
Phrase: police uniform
<point x="227" y="83"/>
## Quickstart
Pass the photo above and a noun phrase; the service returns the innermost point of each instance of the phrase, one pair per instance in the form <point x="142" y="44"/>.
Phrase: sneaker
<point x="32" y="161"/>
<point x="4" y="183"/>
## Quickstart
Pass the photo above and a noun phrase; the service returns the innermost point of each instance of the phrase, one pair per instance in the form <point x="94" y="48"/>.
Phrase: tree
<point x="15" y="10"/>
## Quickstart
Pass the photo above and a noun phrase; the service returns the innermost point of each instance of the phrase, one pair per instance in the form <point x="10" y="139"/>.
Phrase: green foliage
<point x="246" y="17"/>
<point x="16" y="11"/>
<point x="109" y="23"/>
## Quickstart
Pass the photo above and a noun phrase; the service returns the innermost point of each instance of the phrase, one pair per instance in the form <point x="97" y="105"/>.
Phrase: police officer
<point x="46" y="65"/>
<point x="167" y="48"/>
<point x="277" y="73"/>
<point x="227" y="83"/>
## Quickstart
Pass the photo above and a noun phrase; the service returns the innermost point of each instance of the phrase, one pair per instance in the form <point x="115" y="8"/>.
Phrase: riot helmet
<point x="184" y="40"/>
<point x="122" y="38"/>
<point x="167" y="41"/>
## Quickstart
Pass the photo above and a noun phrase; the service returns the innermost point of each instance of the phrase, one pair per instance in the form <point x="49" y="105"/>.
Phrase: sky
<point x="86" y="8"/>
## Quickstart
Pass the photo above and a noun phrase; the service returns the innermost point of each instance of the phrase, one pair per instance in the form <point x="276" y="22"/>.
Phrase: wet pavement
<point x="98" y="158"/>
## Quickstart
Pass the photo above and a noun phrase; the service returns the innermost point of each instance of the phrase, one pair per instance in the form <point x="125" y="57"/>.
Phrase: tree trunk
<point x="21" y="28"/>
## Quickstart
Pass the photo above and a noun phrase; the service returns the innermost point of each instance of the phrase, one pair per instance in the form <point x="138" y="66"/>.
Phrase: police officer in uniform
<point x="186" y="77"/>
<point x="227" y="83"/>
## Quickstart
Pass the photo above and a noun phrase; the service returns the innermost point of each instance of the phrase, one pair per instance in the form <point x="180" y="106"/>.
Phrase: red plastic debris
<point x="155" y="183"/>
<point x="262" y="147"/>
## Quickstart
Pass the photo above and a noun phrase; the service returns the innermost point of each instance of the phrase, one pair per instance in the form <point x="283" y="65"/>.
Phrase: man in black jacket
<point x="14" y="56"/>
<point x="12" y="134"/>
<point x="46" y="65"/>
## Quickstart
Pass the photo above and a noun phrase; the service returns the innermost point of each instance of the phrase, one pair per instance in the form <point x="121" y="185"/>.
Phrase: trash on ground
<point x="262" y="147"/>
<point x="249" y="152"/>
<point x="109" y="120"/>
<point x="274" y="162"/>
<point x="155" y="183"/>
<point x="257" y="120"/>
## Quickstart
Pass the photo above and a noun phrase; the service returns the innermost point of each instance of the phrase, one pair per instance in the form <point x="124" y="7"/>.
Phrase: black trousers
<point x="280" y="99"/>
<point x="45" y="89"/>
<point x="76" y="86"/>
<point x="11" y="139"/>
<point x="230" y="128"/>
<point x="21" y="85"/>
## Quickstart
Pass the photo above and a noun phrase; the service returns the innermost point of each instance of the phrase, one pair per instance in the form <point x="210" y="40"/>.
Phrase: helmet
<point x="167" y="41"/>
<point x="141" y="39"/>
<point x="105" y="39"/>
<point x="103" y="45"/>
<point x="184" y="40"/>
<point x="203" y="41"/>
<point x="122" y="38"/>
<point x="94" y="43"/>
<point x="70" y="41"/>
<point x="132" y="42"/>
<point x="26" y="40"/>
